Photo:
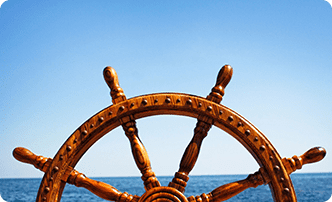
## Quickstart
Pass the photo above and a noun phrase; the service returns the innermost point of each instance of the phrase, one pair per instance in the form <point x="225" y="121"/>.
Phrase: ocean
<point x="315" y="187"/>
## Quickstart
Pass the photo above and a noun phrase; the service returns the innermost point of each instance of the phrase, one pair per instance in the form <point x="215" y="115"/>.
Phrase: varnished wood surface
<point x="140" y="156"/>
<point x="201" y="130"/>
<point x="129" y="126"/>
<point x="274" y="170"/>
<point x="74" y="177"/>
<point x="221" y="193"/>
<point x="311" y="156"/>
<point x="229" y="190"/>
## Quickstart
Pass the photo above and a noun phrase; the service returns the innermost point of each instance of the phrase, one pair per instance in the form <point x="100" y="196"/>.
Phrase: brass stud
<point x="51" y="179"/>
<point x="92" y="125"/>
<point x="144" y="102"/>
<point x="209" y="108"/>
<point x="189" y="102"/>
<point x="282" y="179"/>
<point x="276" y="168"/>
<point x="156" y="100"/>
<point x="44" y="198"/>
<point x="286" y="190"/>
<point x="110" y="113"/>
<point x="69" y="148"/>
<point x="61" y="157"/>
<point x="271" y="158"/>
<point x="84" y="132"/>
<point x="47" y="189"/>
<point x="56" y="169"/>
<point x="256" y="139"/>
<point x="230" y="118"/>
<point x="75" y="141"/>
<point x="122" y="108"/>
<point x="101" y="119"/>
<point x="220" y="112"/>
<point x="247" y="132"/>
<point x="168" y="100"/>
<point x="132" y="104"/>
<point x="262" y="148"/>
<point x="239" y="124"/>
<point x="200" y="104"/>
<point x="178" y="100"/>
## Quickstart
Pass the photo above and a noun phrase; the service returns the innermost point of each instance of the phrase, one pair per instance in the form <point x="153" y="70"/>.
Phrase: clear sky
<point x="52" y="54"/>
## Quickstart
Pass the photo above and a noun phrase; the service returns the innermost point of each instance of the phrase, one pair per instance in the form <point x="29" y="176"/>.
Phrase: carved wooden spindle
<point x="140" y="155"/>
<point x="223" y="78"/>
<point x="229" y="190"/>
<point x="100" y="189"/>
<point x="203" y="125"/>
<point x="129" y="126"/>
<point x="112" y="81"/>
<point x="313" y="155"/>
<point x="76" y="178"/>
<point x="26" y="156"/>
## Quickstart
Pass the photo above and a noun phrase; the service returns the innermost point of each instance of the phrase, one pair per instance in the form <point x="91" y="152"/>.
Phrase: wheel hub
<point x="163" y="194"/>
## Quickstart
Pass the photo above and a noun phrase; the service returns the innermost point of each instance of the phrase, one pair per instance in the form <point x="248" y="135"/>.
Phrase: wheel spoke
<point x="190" y="156"/>
<point x="72" y="176"/>
<point x="274" y="170"/>
<point x="229" y="190"/>
<point x="203" y="125"/>
<point x="260" y="177"/>
<point x="140" y="155"/>
<point x="129" y="126"/>
<point x="313" y="155"/>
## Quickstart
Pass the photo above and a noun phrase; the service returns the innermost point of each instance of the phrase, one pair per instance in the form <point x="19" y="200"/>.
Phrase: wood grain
<point x="201" y="130"/>
<point x="124" y="112"/>
<point x="101" y="189"/>
<point x="230" y="190"/>
<point x="139" y="152"/>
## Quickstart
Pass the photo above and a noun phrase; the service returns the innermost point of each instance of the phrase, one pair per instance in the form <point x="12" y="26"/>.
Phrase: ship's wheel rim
<point x="113" y="116"/>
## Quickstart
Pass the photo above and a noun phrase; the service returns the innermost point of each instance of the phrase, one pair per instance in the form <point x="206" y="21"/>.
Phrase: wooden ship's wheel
<point x="273" y="170"/>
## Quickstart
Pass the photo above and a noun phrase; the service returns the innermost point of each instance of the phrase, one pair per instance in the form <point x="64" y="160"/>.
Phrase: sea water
<point x="315" y="187"/>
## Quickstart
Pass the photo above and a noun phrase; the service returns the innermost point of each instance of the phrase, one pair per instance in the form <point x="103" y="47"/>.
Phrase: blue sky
<point x="52" y="54"/>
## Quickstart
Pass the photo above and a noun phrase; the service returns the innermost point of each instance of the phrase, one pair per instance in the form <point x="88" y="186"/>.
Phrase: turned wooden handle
<point x="112" y="81"/>
<point x="101" y="189"/>
<point x="311" y="156"/>
<point x="138" y="150"/>
<point x="76" y="178"/>
<point x="223" y="78"/>
<point x="229" y="190"/>
<point x="203" y="126"/>
<point x="26" y="156"/>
